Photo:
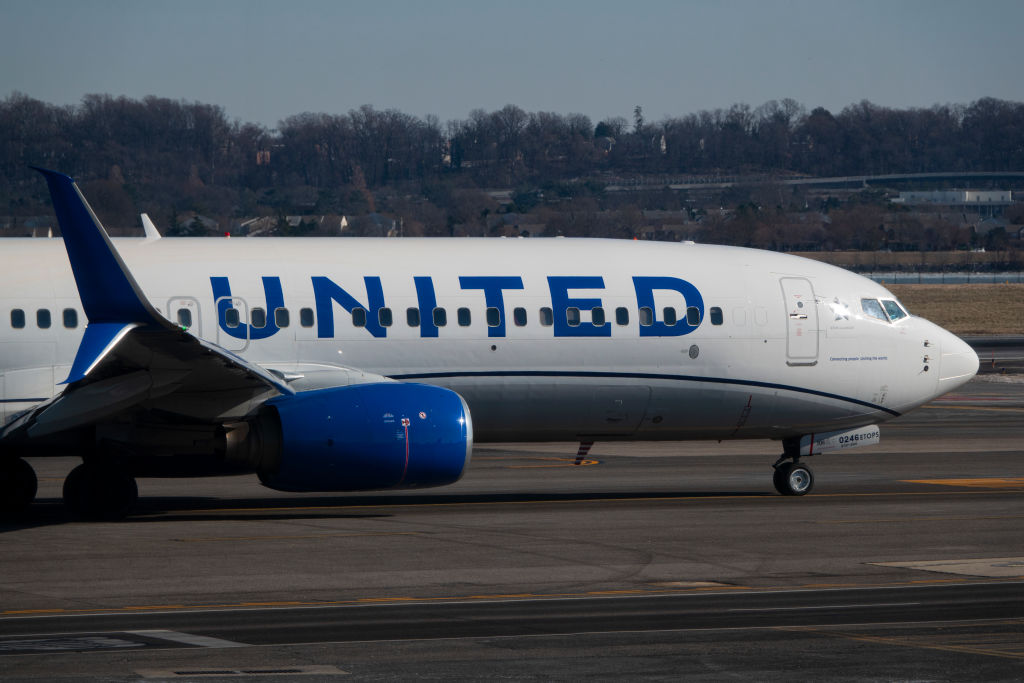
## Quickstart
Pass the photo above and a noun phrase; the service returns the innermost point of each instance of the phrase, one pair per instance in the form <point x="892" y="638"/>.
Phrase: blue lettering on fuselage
<point x="645" y="288"/>
<point x="561" y="302"/>
<point x="222" y="296"/>
<point x="565" y="294"/>
<point x="493" y="287"/>
<point x="326" y="293"/>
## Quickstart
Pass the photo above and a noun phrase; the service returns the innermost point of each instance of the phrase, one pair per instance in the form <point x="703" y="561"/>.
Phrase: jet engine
<point x="386" y="435"/>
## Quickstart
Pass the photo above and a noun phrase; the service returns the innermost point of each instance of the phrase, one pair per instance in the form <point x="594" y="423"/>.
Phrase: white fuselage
<point x="781" y="346"/>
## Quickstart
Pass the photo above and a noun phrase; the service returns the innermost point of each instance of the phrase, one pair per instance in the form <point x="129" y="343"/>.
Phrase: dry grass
<point x="967" y="309"/>
<point x="911" y="260"/>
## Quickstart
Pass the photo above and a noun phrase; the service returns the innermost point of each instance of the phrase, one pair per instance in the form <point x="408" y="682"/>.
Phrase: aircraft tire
<point x="18" y="485"/>
<point x="98" y="492"/>
<point x="793" y="479"/>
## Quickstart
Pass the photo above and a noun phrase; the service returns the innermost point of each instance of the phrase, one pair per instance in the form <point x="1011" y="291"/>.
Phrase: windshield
<point x="894" y="310"/>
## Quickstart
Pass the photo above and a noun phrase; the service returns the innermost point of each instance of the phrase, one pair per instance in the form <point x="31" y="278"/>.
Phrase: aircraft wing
<point x="131" y="358"/>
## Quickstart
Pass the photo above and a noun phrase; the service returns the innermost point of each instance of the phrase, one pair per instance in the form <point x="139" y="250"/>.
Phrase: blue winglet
<point x="97" y="342"/>
<point x="107" y="289"/>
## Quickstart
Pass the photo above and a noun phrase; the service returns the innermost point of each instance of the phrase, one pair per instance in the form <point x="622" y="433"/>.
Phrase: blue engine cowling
<point x="366" y="437"/>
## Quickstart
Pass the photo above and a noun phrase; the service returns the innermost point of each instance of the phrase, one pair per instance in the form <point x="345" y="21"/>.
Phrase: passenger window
<point x="281" y="317"/>
<point x="546" y="317"/>
<point x="184" y="318"/>
<point x="306" y="317"/>
<point x="231" y="318"/>
<point x="440" y="317"/>
<point x="873" y="309"/>
<point x="17" y="318"/>
<point x="43" y="318"/>
<point x="716" y="315"/>
<point x="259" y="318"/>
<point x="464" y="317"/>
<point x="572" y="316"/>
<point x="670" y="316"/>
<point x="70" y="318"/>
<point x="493" y="317"/>
<point x="894" y="310"/>
<point x="692" y="316"/>
<point x="646" y="316"/>
<point x="384" y="317"/>
<point x="597" y="316"/>
<point x="359" y="317"/>
<point x="621" y="315"/>
<point x="412" y="317"/>
<point x="519" y="316"/>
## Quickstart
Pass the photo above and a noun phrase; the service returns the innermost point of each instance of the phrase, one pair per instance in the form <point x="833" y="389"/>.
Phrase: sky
<point x="263" y="61"/>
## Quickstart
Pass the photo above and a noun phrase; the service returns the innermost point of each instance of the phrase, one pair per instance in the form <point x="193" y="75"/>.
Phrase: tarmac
<point x="647" y="560"/>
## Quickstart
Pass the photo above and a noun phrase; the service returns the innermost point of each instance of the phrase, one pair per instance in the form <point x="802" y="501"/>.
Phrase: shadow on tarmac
<point x="52" y="511"/>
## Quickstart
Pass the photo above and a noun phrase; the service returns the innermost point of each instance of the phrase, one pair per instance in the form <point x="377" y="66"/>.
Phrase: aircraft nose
<point x="958" y="365"/>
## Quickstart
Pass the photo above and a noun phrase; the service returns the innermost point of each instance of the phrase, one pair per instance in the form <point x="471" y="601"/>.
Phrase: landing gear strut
<point x="792" y="477"/>
<point x="98" y="491"/>
<point x="17" y="486"/>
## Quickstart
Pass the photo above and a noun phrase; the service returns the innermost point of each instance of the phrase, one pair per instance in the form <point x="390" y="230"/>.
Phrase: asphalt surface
<point x="646" y="561"/>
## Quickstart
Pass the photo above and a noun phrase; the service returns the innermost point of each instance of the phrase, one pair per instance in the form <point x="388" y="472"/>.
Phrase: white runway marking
<point x="187" y="638"/>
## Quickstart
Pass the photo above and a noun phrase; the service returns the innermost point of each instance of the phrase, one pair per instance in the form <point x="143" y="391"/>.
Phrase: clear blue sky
<point x="265" y="60"/>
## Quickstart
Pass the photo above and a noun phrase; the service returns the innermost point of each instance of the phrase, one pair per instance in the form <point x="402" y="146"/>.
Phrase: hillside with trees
<point x="509" y="171"/>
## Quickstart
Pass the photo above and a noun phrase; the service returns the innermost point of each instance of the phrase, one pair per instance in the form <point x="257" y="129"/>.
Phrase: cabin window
<point x="412" y="317"/>
<point x="43" y="318"/>
<point x="281" y="317"/>
<point x="384" y="317"/>
<point x="17" y="318"/>
<point x="493" y="317"/>
<point x="70" y="318"/>
<point x="259" y="318"/>
<point x="692" y="316"/>
<point x="873" y="309"/>
<point x="519" y="317"/>
<point x="440" y="317"/>
<point x="597" y="316"/>
<point x="621" y="315"/>
<point x="464" y="317"/>
<point x="670" y="316"/>
<point x="232" y="318"/>
<point x="894" y="310"/>
<point x="572" y="316"/>
<point x="646" y="316"/>
<point x="306" y="317"/>
<point x="184" y="317"/>
<point x="359" y="317"/>
<point x="546" y="317"/>
<point x="716" y="315"/>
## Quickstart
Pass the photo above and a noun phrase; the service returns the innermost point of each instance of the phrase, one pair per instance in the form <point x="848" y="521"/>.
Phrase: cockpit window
<point x="873" y="309"/>
<point x="894" y="310"/>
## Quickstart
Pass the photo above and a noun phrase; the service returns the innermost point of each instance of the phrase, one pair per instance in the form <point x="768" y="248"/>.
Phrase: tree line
<point x="172" y="157"/>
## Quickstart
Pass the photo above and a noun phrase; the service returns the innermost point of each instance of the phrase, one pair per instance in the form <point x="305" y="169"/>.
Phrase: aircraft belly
<point x="528" y="409"/>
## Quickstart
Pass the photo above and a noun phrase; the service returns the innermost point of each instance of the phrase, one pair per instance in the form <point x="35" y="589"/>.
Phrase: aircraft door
<point x="801" y="321"/>
<point x="183" y="311"/>
<point x="232" y="323"/>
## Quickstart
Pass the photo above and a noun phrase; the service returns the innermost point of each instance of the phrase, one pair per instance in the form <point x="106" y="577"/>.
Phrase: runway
<point x="647" y="560"/>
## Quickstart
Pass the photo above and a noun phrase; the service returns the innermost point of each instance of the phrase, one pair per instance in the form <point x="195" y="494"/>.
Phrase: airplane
<point x="333" y="365"/>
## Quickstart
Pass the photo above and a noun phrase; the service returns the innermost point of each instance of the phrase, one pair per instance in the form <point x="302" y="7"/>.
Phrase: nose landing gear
<point x="792" y="477"/>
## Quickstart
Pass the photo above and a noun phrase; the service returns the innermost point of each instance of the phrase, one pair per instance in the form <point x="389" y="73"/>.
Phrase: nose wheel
<point x="793" y="478"/>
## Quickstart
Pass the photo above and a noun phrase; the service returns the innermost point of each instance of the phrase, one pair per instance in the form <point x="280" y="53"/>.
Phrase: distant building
<point x="983" y="202"/>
